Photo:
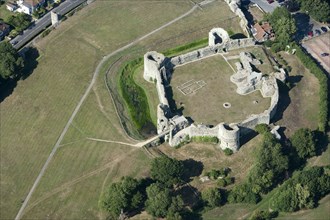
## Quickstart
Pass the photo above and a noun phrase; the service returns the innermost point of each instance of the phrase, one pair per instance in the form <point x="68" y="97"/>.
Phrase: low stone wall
<point x="203" y="131"/>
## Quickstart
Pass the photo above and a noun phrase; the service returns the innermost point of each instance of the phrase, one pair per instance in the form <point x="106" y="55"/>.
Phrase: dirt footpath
<point x="318" y="45"/>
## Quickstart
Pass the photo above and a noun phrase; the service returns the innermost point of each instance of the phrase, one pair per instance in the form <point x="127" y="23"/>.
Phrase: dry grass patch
<point x="206" y="104"/>
<point x="214" y="158"/>
<point x="303" y="108"/>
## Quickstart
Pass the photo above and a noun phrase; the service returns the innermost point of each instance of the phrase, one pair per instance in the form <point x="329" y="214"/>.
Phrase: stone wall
<point x="157" y="68"/>
<point x="229" y="136"/>
<point x="234" y="6"/>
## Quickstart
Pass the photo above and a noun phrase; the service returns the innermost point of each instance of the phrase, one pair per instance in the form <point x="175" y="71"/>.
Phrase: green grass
<point x="186" y="48"/>
<point x="303" y="107"/>
<point x="135" y="97"/>
<point x="35" y="114"/>
<point x="215" y="72"/>
<point x="4" y="12"/>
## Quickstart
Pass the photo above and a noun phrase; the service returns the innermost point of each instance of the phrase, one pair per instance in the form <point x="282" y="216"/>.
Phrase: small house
<point x="29" y="6"/>
<point x="11" y="6"/>
<point x="262" y="32"/>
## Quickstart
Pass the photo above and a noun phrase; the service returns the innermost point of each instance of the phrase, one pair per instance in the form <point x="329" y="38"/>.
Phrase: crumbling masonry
<point x="158" y="69"/>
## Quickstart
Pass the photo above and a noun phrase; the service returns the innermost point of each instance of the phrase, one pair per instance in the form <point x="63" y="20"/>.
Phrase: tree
<point x="284" y="27"/>
<point x="11" y="64"/>
<point x="243" y="194"/>
<point x="303" y="190"/>
<point x="271" y="163"/>
<point x="304" y="143"/>
<point x="123" y="195"/>
<point x="318" y="9"/>
<point x="175" y="209"/>
<point x="212" y="197"/>
<point x="20" y="21"/>
<point x="159" y="200"/>
<point x="167" y="171"/>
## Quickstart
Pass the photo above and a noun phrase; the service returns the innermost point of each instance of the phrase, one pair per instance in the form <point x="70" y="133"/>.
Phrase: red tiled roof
<point x="266" y="26"/>
<point x="260" y="33"/>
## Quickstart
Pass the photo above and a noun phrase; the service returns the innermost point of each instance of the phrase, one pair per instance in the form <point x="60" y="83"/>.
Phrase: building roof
<point x="266" y="26"/>
<point x="32" y="3"/>
<point x="12" y="5"/>
<point x="259" y="32"/>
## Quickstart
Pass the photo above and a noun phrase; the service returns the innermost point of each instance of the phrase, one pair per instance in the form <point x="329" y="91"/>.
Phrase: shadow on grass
<point x="192" y="168"/>
<point x="321" y="142"/>
<point x="7" y="87"/>
<point x="30" y="62"/>
<point x="284" y="101"/>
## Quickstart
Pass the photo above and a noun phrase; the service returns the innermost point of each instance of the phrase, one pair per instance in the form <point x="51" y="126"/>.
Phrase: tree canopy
<point x="318" y="9"/>
<point x="303" y="190"/>
<point x="284" y="27"/>
<point x="160" y="202"/>
<point x="20" y="21"/>
<point x="304" y="143"/>
<point x="124" y="195"/>
<point x="212" y="197"/>
<point x="11" y="64"/>
<point x="167" y="171"/>
<point x="271" y="163"/>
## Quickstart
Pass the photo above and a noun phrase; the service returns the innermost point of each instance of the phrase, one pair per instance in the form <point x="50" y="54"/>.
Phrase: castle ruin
<point x="159" y="69"/>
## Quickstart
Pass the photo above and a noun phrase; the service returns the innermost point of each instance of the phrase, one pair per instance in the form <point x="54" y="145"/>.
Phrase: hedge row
<point x="323" y="81"/>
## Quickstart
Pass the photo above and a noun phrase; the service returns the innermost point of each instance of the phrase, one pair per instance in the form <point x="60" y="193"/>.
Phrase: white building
<point x="29" y="6"/>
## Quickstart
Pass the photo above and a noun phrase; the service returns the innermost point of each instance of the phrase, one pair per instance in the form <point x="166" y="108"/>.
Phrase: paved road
<point x="306" y="24"/>
<point x="265" y="5"/>
<point x="95" y="75"/>
<point x="44" y="22"/>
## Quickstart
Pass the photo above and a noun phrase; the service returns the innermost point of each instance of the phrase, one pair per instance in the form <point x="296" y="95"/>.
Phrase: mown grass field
<point x="302" y="105"/>
<point x="206" y="104"/>
<point x="35" y="114"/>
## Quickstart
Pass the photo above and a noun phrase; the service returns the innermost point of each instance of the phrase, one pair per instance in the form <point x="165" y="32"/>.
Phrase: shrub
<point x="262" y="128"/>
<point x="45" y="32"/>
<point x="228" y="151"/>
<point x="221" y="182"/>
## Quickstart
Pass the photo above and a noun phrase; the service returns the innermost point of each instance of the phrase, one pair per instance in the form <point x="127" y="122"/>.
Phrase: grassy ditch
<point x="135" y="97"/>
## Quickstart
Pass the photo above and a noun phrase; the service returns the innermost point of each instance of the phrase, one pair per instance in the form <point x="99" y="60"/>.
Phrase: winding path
<point x="95" y="75"/>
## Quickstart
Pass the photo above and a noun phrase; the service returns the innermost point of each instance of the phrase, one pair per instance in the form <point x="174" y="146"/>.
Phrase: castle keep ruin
<point x="159" y="69"/>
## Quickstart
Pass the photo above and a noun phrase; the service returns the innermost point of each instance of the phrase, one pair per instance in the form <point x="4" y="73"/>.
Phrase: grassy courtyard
<point x="205" y="105"/>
